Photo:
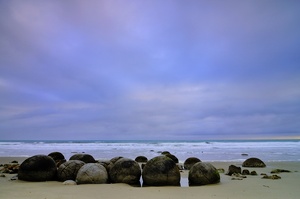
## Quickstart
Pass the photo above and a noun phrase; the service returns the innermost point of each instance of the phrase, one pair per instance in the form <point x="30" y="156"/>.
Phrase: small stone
<point x="280" y="171"/>
<point x="221" y="170"/>
<point x="2" y="175"/>
<point x="69" y="182"/>
<point x="233" y="169"/>
<point x="253" y="173"/>
<point x="236" y="178"/>
<point x="14" y="177"/>
<point x="246" y="172"/>
<point x="238" y="175"/>
<point x="272" y="177"/>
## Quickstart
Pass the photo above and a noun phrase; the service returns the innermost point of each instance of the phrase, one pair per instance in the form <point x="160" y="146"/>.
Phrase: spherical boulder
<point x="92" y="173"/>
<point x="161" y="171"/>
<point x="87" y="158"/>
<point x="253" y="162"/>
<point x="38" y="168"/>
<point x="58" y="158"/>
<point x="69" y="170"/>
<point x="188" y="163"/>
<point x="125" y="171"/>
<point x="172" y="157"/>
<point x="141" y="159"/>
<point x="202" y="174"/>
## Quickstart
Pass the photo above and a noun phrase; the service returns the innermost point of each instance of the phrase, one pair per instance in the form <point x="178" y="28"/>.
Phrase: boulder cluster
<point x="162" y="170"/>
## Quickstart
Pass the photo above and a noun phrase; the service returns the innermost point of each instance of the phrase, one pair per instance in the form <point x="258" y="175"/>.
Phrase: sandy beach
<point x="250" y="187"/>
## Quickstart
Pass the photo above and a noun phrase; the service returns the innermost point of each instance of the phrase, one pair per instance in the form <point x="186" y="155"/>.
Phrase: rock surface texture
<point x="92" y="173"/>
<point x="202" y="174"/>
<point x="188" y="163"/>
<point x="38" y="168"/>
<point x="253" y="162"/>
<point x="125" y="171"/>
<point x="161" y="171"/>
<point x="69" y="170"/>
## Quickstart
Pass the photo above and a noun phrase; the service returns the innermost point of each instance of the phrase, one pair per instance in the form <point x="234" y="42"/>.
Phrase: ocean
<point x="212" y="150"/>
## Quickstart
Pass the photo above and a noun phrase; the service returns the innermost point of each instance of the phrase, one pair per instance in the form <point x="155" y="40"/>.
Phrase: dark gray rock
<point x="172" y="157"/>
<point x="188" y="163"/>
<point x="202" y="174"/>
<point x="161" y="171"/>
<point x="141" y="159"/>
<point x="38" y="168"/>
<point x="245" y="172"/>
<point x="165" y="152"/>
<point x="58" y="158"/>
<point x="253" y="162"/>
<point x="87" y="158"/>
<point x="92" y="173"/>
<point x="125" y="171"/>
<point x="280" y="171"/>
<point x="69" y="170"/>
<point x="253" y="173"/>
<point x="233" y="169"/>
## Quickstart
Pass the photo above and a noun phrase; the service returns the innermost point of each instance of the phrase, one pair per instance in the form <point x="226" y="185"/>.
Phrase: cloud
<point x="151" y="69"/>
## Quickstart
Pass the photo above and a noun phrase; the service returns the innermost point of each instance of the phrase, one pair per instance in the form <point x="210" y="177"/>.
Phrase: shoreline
<point x="250" y="187"/>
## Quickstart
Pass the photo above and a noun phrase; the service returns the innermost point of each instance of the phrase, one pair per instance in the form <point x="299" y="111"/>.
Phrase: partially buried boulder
<point x="253" y="162"/>
<point x="188" y="163"/>
<point x="69" y="170"/>
<point x="87" y="158"/>
<point x="125" y="171"/>
<point x="92" y="173"/>
<point x="202" y="174"/>
<point x="161" y="171"/>
<point x="38" y="168"/>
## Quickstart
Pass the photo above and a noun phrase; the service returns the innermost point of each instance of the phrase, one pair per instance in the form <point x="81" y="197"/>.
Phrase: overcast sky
<point x="138" y="69"/>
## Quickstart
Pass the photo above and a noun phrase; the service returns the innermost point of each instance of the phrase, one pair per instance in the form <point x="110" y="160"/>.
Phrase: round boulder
<point x="92" y="173"/>
<point x="58" y="158"/>
<point x="83" y="157"/>
<point x="172" y="157"/>
<point x="38" y="168"/>
<point x="202" y="174"/>
<point x="188" y="163"/>
<point x="141" y="159"/>
<point x="125" y="171"/>
<point x="161" y="171"/>
<point x="69" y="170"/>
<point x="253" y="162"/>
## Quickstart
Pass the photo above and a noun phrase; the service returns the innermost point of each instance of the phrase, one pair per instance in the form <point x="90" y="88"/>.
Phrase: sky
<point x="151" y="69"/>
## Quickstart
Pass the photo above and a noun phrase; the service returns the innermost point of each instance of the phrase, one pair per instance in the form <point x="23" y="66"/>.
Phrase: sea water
<point x="267" y="150"/>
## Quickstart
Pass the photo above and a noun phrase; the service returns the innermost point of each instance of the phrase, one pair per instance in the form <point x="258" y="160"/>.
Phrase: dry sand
<point x="287" y="187"/>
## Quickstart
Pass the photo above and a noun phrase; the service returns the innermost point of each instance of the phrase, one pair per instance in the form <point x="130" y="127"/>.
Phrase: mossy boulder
<point x="69" y="170"/>
<point x="58" y="158"/>
<point x="253" y="162"/>
<point x="189" y="162"/>
<point x="38" y="168"/>
<point x="125" y="171"/>
<point x="141" y="159"/>
<point x="161" y="171"/>
<point x="87" y="158"/>
<point x="202" y="174"/>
